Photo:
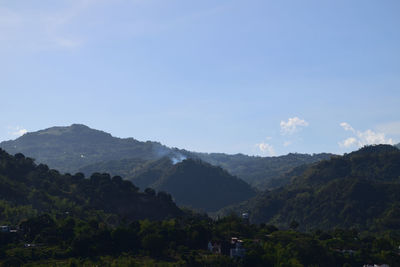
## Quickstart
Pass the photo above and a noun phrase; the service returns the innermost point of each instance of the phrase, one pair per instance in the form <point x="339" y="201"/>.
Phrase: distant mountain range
<point x="360" y="189"/>
<point x="321" y="191"/>
<point x="79" y="148"/>
<point x="259" y="171"/>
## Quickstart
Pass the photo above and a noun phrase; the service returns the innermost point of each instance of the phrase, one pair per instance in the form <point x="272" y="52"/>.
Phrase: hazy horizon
<point x="64" y="126"/>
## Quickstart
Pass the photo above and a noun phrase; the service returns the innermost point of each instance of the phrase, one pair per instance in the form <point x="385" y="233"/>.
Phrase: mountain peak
<point x="79" y="126"/>
<point x="68" y="148"/>
<point x="203" y="186"/>
<point x="375" y="149"/>
<point x="59" y="130"/>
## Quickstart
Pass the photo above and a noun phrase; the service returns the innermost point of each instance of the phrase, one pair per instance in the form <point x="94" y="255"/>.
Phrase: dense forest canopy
<point x="70" y="220"/>
<point x="360" y="189"/>
<point x="28" y="189"/>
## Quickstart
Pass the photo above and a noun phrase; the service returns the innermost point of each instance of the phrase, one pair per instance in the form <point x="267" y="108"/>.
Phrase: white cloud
<point x="369" y="138"/>
<point x="292" y="125"/>
<point x="266" y="149"/>
<point x="347" y="127"/>
<point x="361" y="139"/>
<point x="17" y="130"/>
<point x="351" y="141"/>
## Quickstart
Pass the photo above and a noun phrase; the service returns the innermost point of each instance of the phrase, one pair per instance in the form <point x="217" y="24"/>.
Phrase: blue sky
<point x="254" y="77"/>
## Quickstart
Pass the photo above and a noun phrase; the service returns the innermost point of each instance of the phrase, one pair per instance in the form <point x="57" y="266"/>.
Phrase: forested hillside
<point x="27" y="189"/>
<point x="202" y="186"/>
<point x="69" y="148"/>
<point x="360" y="190"/>
<point x="68" y="220"/>
<point x="126" y="168"/>
<point x="192" y="183"/>
<point x="259" y="171"/>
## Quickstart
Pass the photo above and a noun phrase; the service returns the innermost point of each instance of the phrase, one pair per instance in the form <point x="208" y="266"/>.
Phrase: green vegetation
<point x="192" y="183"/>
<point x="69" y="220"/>
<point x="127" y="168"/>
<point x="68" y="149"/>
<point x="202" y="186"/>
<point x="259" y="171"/>
<point x="358" y="190"/>
<point x="46" y="241"/>
<point x="78" y="148"/>
<point x="27" y="189"/>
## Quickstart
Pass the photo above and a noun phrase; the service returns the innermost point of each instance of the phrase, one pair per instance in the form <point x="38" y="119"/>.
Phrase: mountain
<point x="149" y="173"/>
<point x="286" y="177"/>
<point x="258" y="171"/>
<point x="27" y="189"/>
<point x="192" y="183"/>
<point x="398" y="145"/>
<point x="202" y="186"/>
<point x="69" y="148"/>
<point x="360" y="189"/>
<point x="80" y="148"/>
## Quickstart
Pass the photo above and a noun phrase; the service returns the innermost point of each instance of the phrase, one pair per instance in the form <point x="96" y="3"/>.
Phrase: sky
<point x="255" y="77"/>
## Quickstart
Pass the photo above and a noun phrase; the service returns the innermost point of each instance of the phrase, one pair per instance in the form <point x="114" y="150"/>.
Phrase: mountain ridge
<point x="360" y="189"/>
<point x="78" y="148"/>
<point x="68" y="148"/>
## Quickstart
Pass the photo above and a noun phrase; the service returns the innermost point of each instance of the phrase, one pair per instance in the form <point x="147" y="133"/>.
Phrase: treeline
<point x="69" y="241"/>
<point x="27" y="189"/>
<point x="358" y="190"/>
